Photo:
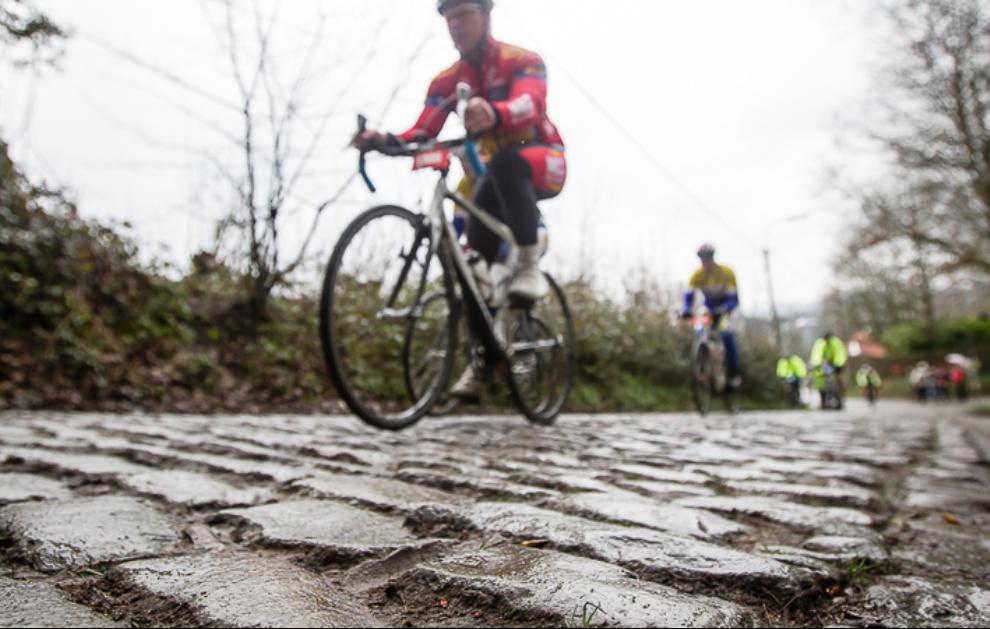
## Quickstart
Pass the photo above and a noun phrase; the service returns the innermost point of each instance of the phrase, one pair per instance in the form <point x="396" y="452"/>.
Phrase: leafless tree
<point x="928" y="217"/>
<point x="886" y="281"/>
<point x="938" y="132"/>
<point x="276" y="144"/>
<point x="270" y="164"/>
<point x="22" y="25"/>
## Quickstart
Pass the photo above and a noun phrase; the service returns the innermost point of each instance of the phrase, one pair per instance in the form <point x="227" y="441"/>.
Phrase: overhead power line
<point x="632" y="139"/>
<point x="158" y="71"/>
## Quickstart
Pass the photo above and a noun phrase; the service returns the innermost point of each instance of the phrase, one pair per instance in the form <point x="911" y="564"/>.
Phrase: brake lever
<point x="362" y="124"/>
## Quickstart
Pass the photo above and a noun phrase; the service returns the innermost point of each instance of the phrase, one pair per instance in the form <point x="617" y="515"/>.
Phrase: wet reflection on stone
<point x="855" y="517"/>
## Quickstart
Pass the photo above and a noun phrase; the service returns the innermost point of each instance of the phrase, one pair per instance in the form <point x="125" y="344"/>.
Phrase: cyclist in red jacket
<point x="522" y="148"/>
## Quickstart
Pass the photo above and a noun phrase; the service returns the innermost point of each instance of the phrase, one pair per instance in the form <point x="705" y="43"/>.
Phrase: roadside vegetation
<point x="87" y="325"/>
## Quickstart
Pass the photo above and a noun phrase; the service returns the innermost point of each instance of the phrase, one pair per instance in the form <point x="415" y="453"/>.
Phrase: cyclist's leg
<point x="517" y="177"/>
<point x="506" y="191"/>
<point x="728" y="334"/>
<point x="506" y="186"/>
<point x="840" y="384"/>
<point x="731" y="353"/>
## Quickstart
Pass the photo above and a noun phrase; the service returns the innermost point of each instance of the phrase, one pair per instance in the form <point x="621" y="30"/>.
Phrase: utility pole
<point x="766" y="265"/>
<point x="773" y="303"/>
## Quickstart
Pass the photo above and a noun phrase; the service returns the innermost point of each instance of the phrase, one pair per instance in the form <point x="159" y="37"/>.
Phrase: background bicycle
<point x="708" y="371"/>
<point x="827" y="381"/>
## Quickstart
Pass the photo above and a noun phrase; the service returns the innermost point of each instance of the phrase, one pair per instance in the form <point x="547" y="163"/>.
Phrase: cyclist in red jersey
<point x="522" y="148"/>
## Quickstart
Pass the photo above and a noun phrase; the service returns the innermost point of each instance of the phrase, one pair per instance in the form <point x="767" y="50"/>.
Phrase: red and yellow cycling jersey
<point x="514" y="81"/>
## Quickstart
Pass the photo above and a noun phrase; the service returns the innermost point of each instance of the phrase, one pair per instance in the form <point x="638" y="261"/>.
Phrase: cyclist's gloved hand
<point x="369" y="140"/>
<point x="480" y="116"/>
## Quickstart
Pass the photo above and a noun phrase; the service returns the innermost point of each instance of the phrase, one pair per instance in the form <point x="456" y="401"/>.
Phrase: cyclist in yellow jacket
<point x="868" y="379"/>
<point x="792" y="370"/>
<point x="829" y="350"/>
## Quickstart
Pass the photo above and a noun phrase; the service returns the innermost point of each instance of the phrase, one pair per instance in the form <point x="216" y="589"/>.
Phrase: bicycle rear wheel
<point x="793" y="395"/>
<point x="702" y="377"/>
<point x="733" y="400"/>
<point x="426" y="352"/>
<point x="375" y="282"/>
<point x="541" y="362"/>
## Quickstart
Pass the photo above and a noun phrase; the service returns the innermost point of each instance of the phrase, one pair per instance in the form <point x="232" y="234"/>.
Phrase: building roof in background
<point x="865" y="346"/>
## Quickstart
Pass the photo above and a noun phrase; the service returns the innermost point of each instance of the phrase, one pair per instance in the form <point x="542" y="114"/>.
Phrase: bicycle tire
<point x="702" y="374"/>
<point x="412" y="368"/>
<point x="334" y="346"/>
<point x="732" y="399"/>
<point x="545" y="411"/>
<point x="793" y="396"/>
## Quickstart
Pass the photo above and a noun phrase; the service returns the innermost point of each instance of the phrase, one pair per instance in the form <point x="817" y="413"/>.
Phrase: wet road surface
<point x="868" y="517"/>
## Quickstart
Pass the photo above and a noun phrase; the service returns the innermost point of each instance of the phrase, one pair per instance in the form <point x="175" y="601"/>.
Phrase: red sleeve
<point x="527" y="100"/>
<point x="438" y="106"/>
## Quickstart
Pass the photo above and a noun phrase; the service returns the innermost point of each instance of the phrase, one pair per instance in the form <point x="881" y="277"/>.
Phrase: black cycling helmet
<point x="443" y="5"/>
<point x="706" y="251"/>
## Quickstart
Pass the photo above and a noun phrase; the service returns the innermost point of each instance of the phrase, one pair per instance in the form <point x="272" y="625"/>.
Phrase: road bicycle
<point x="793" y="394"/>
<point x="872" y="393"/>
<point x="828" y="387"/>
<point x="399" y="287"/>
<point x="709" y="377"/>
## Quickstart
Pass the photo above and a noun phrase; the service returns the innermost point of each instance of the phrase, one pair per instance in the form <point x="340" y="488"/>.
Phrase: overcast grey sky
<point x="740" y="102"/>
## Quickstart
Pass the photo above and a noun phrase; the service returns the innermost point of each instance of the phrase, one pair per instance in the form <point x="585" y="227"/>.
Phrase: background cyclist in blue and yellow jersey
<point x="717" y="282"/>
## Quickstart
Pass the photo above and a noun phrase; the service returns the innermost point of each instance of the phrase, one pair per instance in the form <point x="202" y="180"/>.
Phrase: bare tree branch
<point x="160" y="72"/>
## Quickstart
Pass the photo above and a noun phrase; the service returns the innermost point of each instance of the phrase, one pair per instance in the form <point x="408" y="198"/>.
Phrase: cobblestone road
<point x="867" y="517"/>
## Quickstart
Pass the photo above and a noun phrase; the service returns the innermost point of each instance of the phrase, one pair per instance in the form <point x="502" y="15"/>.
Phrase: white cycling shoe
<point x="468" y="386"/>
<point x="529" y="284"/>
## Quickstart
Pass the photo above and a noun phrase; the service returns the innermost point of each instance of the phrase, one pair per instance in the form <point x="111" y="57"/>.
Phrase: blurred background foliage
<point x="86" y="325"/>
<point x="85" y="322"/>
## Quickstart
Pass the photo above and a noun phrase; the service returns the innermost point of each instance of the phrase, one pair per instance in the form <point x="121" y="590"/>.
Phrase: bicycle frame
<point x="444" y="241"/>
<point x="704" y="333"/>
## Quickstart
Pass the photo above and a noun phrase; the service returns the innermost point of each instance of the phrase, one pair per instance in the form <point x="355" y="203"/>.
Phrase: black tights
<point x="506" y="192"/>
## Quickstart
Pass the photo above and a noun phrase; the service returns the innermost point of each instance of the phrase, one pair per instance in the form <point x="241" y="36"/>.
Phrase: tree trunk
<point x="927" y="297"/>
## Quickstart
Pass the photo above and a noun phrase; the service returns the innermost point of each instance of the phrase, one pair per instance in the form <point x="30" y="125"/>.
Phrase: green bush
<point x="78" y="309"/>
<point x="86" y="325"/>
<point x="955" y="335"/>
<point x="964" y="333"/>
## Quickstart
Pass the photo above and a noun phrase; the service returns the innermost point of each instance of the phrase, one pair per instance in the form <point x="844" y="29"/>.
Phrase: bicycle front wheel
<point x="375" y="282"/>
<point x="426" y="356"/>
<point x="541" y="362"/>
<point x="702" y="377"/>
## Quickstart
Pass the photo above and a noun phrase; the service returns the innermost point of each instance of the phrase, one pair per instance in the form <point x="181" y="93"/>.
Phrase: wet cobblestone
<point x="862" y="518"/>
